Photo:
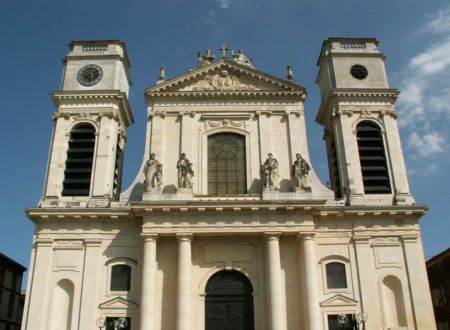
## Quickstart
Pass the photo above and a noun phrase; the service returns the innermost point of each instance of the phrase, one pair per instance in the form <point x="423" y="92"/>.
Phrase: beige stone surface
<point x="175" y="241"/>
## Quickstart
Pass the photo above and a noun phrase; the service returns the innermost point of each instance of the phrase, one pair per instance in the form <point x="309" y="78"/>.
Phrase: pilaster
<point x="37" y="314"/>
<point x="367" y="283"/>
<point x="89" y="289"/>
<point x="265" y="135"/>
<point x="418" y="283"/>
<point x="103" y="177"/>
<point x="397" y="162"/>
<point x="348" y="150"/>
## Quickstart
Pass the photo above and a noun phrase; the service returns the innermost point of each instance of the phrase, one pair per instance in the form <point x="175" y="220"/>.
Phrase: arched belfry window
<point x="372" y="156"/>
<point x="80" y="155"/>
<point x="227" y="173"/>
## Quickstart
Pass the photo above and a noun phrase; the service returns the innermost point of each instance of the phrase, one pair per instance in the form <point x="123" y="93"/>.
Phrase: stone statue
<point x="153" y="174"/>
<point x="300" y="171"/>
<point x="269" y="173"/>
<point x="185" y="172"/>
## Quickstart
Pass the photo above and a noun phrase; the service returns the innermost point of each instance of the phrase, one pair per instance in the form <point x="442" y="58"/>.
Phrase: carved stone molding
<point x="223" y="81"/>
<point x="210" y="124"/>
<point x="162" y="114"/>
<point x="391" y="113"/>
<point x="68" y="244"/>
<point x="346" y="112"/>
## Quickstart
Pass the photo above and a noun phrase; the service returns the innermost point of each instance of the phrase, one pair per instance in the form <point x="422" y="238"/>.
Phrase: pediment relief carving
<point x="338" y="300"/>
<point x="118" y="303"/>
<point x="224" y="76"/>
<point x="222" y="81"/>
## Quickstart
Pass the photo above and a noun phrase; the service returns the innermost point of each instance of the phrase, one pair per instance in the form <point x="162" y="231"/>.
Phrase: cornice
<point x="77" y="214"/>
<point x="138" y="209"/>
<point x="316" y="207"/>
<point x="73" y="97"/>
<point x="162" y="89"/>
<point x="210" y="94"/>
<point x="354" y="95"/>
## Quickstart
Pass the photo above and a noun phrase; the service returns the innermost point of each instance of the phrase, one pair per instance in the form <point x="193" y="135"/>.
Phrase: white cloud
<point x="211" y="18"/>
<point x="224" y="4"/>
<point x="429" y="144"/>
<point x="424" y="104"/>
<point x="440" y="22"/>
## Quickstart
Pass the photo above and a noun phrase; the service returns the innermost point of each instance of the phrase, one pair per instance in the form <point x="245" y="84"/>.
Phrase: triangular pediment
<point x="118" y="303"/>
<point x="225" y="76"/>
<point x="338" y="300"/>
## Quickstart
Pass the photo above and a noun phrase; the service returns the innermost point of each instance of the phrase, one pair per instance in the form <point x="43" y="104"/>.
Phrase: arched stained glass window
<point x="373" y="158"/>
<point x="336" y="276"/>
<point x="80" y="155"/>
<point x="227" y="174"/>
<point x="120" y="278"/>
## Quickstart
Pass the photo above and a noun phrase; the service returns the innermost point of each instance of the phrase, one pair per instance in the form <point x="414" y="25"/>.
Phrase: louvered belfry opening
<point x="372" y="156"/>
<point x="227" y="173"/>
<point x="80" y="155"/>
<point x="117" y="171"/>
<point x="334" y="170"/>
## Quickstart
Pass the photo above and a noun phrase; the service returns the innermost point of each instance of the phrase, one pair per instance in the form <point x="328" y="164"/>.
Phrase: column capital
<point x="184" y="237"/>
<point x="410" y="238"/>
<point x="361" y="239"/>
<point x="272" y="235"/>
<point x="40" y="242"/>
<point x="149" y="237"/>
<point x="305" y="236"/>
<point x="92" y="242"/>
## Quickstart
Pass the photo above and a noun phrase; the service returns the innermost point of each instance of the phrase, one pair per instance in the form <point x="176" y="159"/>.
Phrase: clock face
<point x="89" y="75"/>
<point x="359" y="72"/>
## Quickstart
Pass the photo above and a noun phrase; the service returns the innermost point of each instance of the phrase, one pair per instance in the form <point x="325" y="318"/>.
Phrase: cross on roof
<point x="223" y="49"/>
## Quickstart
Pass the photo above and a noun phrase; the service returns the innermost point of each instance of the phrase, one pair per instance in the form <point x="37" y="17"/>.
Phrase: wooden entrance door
<point x="229" y="302"/>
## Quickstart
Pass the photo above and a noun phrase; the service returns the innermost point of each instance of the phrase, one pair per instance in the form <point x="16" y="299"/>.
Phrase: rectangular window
<point x="111" y="322"/>
<point x="336" y="322"/>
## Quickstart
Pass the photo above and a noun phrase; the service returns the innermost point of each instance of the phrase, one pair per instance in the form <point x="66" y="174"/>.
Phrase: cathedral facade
<point x="227" y="225"/>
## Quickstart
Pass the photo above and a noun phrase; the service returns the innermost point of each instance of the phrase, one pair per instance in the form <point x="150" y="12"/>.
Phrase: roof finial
<point x="290" y="73"/>
<point x="223" y="49"/>
<point x="162" y="74"/>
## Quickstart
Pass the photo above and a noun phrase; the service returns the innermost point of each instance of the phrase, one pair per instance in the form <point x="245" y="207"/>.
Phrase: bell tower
<point x="92" y="114"/>
<point x="358" y="113"/>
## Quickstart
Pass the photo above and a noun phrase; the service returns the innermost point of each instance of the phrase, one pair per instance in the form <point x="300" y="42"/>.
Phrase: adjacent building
<point x="227" y="225"/>
<point x="438" y="269"/>
<point x="11" y="299"/>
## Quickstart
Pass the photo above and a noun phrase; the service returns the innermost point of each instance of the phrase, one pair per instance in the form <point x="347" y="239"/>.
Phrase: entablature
<point x="384" y="98"/>
<point x="76" y="102"/>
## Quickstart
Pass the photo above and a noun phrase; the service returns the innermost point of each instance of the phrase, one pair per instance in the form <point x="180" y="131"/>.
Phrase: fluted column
<point x="311" y="279"/>
<point x="184" y="298"/>
<point x="277" y="315"/>
<point x="147" y="308"/>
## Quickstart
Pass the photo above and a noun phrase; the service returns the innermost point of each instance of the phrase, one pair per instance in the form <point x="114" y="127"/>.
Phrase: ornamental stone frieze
<point x="223" y="81"/>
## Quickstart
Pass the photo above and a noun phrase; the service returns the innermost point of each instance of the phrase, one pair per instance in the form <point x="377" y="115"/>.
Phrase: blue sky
<point x="414" y="35"/>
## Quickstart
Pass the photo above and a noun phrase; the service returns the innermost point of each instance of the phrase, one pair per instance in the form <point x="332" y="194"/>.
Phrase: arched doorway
<point x="229" y="302"/>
